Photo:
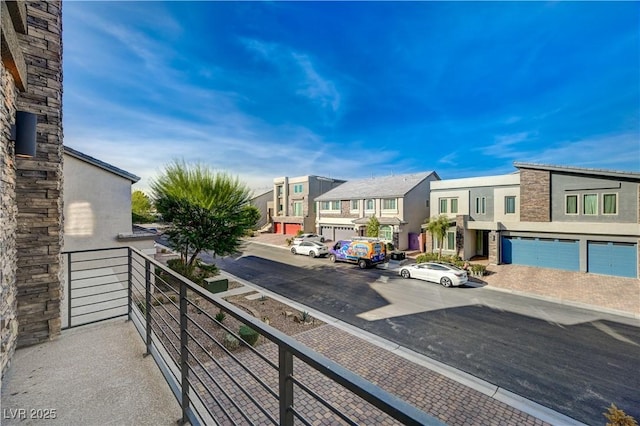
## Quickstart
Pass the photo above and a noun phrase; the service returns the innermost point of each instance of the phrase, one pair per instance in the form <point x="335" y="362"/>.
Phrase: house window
<point x="510" y="204"/>
<point x="451" y="241"/>
<point x="450" y="204"/>
<point x="325" y="205"/>
<point x="443" y="205"/>
<point x="297" y="188"/>
<point x="481" y="205"/>
<point x="386" y="232"/>
<point x="590" y="204"/>
<point x="297" y="208"/>
<point x="571" y="204"/>
<point x="369" y="206"/>
<point x="609" y="204"/>
<point x="335" y="205"/>
<point x="389" y="204"/>
<point x="279" y="190"/>
<point x="355" y="205"/>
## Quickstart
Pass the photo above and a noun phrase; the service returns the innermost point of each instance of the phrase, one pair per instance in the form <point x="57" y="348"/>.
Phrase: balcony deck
<point x="91" y="375"/>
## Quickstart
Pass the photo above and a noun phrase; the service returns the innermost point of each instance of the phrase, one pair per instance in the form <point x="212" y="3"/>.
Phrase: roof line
<point x="101" y="164"/>
<point x="584" y="170"/>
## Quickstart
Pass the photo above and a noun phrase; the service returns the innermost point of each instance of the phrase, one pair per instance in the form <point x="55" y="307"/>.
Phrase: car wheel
<point x="312" y="254"/>
<point x="293" y="250"/>
<point x="332" y="258"/>
<point x="322" y="239"/>
<point x="446" y="282"/>
<point x="405" y="273"/>
<point x="362" y="264"/>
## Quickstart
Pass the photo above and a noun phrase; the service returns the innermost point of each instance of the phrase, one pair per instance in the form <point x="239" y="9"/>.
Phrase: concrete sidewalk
<point x="615" y="295"/>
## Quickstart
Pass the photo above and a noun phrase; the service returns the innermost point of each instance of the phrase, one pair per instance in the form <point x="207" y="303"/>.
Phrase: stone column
<point x="494" y="243"/>
<point x="39" y="180"/>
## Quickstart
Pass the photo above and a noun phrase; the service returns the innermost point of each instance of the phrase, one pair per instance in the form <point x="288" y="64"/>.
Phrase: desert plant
<point x="248" y="334"/>
<point x="263" y="298"/>
<point x="158" y="301"/>
<point x="289" y="241"/>
<point x="220" y="316"/>
<point x="438" y="227"/>
<point x="305" y="316"/>
<point x="230" y="342"/>
<point x="390" y="247"/>
<point x="617" y="417"/>
<point x="143" y="307"/>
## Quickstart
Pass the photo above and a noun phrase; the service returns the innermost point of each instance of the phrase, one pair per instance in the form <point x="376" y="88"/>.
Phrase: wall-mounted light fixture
<point x="23" y="133"/>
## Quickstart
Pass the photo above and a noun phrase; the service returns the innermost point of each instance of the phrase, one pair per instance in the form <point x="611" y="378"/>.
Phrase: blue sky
<point x="352" y="89"/>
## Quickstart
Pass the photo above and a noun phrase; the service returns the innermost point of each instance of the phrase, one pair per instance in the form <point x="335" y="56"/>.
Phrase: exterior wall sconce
<point x="23" y="133"/>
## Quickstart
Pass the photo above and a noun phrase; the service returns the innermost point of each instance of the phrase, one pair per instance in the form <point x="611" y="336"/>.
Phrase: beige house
<point x="400" y="203"/>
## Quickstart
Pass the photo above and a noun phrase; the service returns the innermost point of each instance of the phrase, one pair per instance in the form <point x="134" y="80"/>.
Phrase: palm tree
<point x="207" y="210"/>
<point x="438" y="227"/>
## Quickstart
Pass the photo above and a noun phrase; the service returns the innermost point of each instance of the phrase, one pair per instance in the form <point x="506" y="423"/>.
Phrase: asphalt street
<point x="574" y="361"/>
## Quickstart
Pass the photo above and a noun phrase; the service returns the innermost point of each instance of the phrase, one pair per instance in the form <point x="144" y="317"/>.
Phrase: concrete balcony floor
<point x="91" y="375"/>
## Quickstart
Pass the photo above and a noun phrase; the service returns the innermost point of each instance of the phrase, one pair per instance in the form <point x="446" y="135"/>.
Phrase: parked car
<point x="364" y="253"/>
<point x="310" y="248"/>
<point x="444" y="273"/>
<point x="308" y="237"/>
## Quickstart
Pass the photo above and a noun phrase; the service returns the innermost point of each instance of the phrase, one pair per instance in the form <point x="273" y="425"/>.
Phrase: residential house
<point x="97" y="205"/>
<point x="263" y="201"/>
<point x="293" y="202"/>
<point x="569" y="218"/>
<point x="400" y="203"/>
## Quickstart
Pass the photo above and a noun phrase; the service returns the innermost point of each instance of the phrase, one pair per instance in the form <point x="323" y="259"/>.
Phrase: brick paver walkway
<point x="444" y="398"/>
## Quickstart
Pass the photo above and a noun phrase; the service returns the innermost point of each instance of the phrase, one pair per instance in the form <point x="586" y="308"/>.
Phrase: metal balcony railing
<point x="214" y="374"/>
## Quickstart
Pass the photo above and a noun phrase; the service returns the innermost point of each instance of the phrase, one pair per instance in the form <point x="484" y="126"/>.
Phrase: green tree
<point x="373" y="227"/>
<point x="207" y="210"/>
<point x="437" y="227"/>
<point x="140" y="207"/>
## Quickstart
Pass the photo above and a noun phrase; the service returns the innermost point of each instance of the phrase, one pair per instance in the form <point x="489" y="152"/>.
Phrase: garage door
<point x="277" y="228"/>
<point x="327" y="232"/>
<point x="609" y="258"/>
<point x="292" y="228"/>
<point x="344" y="233"/>
<point x="541" y="252"/>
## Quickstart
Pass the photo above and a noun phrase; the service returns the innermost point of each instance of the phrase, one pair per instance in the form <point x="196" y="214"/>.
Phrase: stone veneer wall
<point x="39" y="180"/>
<point x="494" y="239"/>
<point x="535" y="195"/>
<point x="8" y="224"/>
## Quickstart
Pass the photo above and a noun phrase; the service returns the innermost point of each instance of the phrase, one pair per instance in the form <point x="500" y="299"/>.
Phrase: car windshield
<point x="317" y="243"/>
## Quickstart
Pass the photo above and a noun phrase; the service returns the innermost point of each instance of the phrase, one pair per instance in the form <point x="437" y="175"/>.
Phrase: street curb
<point x="486" y="388"/>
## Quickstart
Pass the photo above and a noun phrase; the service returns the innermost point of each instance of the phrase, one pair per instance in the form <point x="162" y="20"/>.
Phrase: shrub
<point x="158" y="301"/>
<point x="220" y="316"/>
<point x="390" y="248"/>
<point x="143" y="307"/>
<point x="197" y="272"/>
<point x="426" y="257"/>
<point x="617" y="417"/>
<point x="248" y="334"/>
<point x="479" y="270"/>
<point x="230" y="342"/>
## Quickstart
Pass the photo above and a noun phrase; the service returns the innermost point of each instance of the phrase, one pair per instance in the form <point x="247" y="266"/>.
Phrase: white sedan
<point x="310" y="248"/>
<point x="444" y="273"/>
<point x="308" y="237"/>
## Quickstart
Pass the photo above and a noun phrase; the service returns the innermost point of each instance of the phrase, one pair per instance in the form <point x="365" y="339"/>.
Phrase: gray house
<point x="400" y="203"/>
<point x="568" y="218"/>
<point x="263" y="201"/>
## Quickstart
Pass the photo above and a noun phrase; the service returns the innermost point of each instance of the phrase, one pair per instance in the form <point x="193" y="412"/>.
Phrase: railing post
<point x="69" y="292"/>
<point x="147" y="295"/>
<point x="184" y="367"/>
<point x="285" y="386"/>
<point x="129" y="283"/>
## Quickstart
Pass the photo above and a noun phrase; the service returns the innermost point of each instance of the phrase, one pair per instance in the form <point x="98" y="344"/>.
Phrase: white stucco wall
<point x="97" y="206"/>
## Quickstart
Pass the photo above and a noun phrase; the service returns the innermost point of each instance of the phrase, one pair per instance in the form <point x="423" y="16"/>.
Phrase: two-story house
<point x="400" y="203"/>
<point x="293" y="202"/>
<point x="568" y="218"/>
